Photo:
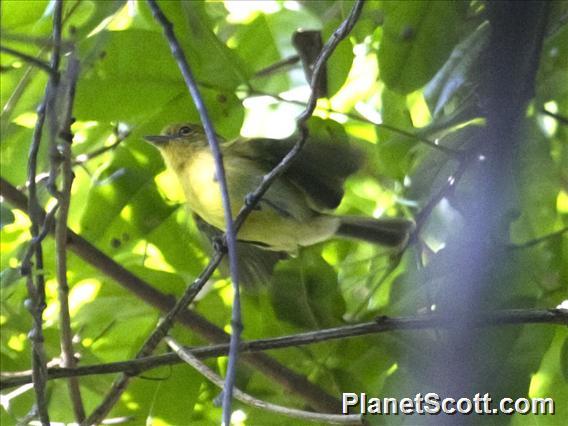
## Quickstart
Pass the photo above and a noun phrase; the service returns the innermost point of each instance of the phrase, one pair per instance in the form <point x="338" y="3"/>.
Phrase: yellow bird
<point x="294" y="211"/>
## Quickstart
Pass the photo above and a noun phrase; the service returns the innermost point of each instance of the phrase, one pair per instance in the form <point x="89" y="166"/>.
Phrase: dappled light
<point x="396" y="174"/>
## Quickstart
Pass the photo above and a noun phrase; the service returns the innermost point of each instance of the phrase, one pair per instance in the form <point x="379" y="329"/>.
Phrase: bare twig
<point x="357" y="117"/>
<point x="277" y="66"/>
<point x="446" y="189"/>
<point x="44" y="66"/>
<point x="37" y="289"/>
<point x="230" y="229"/>
<point x="539" y="240"/>
<point x="339" y="34"/>
<point x="560" y="118"/>
<point x="64" y="200"/>
<point x="288" y="379"/>
<point x="119" y="137"/>
<point x="382" y="325"/>
<point x="214" y="378"/>
<point x="120" y="385"/>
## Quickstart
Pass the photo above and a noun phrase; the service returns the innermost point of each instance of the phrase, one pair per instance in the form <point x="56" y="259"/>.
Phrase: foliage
<point x="410" y="65"/>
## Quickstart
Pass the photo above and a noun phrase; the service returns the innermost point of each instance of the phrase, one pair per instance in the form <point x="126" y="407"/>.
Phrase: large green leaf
<point x="305" y="292"/>
<point x="414" y="46"/>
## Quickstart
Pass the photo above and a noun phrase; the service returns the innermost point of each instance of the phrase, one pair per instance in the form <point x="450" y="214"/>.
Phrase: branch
<point x="291" y="381"/>
<point x="354" y="116"/>
<point x="338" y="35"/>
<point x="64" y="201"/>
<point x="230" y="232"/>
<point x="44" y="66"/>
<point x="119" y="137"/>
<point x="277" y="66"/>
<point x="560" y="118"/>
<point x="186" y="355"/>
<point x="538" y="240"/>
<point x="381" y="325"/>
<point x="36" y="281"/>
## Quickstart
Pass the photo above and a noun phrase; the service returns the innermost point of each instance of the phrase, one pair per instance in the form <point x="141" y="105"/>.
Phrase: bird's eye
<point x="185" y="131"/>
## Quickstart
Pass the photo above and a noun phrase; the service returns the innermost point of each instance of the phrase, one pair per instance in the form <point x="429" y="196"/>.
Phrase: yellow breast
<point x="201" y="188"/>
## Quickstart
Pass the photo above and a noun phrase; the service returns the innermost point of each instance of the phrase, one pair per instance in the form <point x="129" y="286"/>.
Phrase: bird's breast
<point x="201" y="188"/>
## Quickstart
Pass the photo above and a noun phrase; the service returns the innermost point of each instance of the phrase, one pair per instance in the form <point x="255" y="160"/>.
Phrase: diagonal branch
<point x="44" y="66"/>
<point x="231" y="233"/>
<point x="288" y="379"/>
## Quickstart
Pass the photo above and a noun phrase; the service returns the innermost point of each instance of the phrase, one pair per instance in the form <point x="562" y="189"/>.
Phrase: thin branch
<point x="446" y="189"/>
<point x="539" y="240"/>
<point x="119" y="137"/>
<point x="244" y="397"/>
<point x="288" y="379"/>
<point x="64" y="200"/>
<point x="357" y="117"/>
<point x="230" y="229"/>
<point x="277" y="66"/>
<point x="381" y="325"/>
<point x="254" y="198"/>
<point x="339" y="34"/>
<point x="560" y="118"/>
<point x="44" y="66"/>
<point x="45" y="43"/>
<point x="36" y="281"/>
<point x="35" y="243"/>
<point x="120" y="385"/>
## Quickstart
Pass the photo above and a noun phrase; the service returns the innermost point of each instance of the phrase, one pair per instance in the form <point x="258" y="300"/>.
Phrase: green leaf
<point x="246" y="40"/>
<point x="393" y="149"/>
<point x="340" y="62"/>
<point x="305" y="292"/>
<point x="17" y="14"/>
<point x="417" y="38"/>
<point x="460" y="72"/>
<point x="6" y="215"/>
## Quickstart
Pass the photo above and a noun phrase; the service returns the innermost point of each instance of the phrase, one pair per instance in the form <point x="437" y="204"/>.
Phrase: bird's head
<point x="178" y="142"/>
<point x="180" y="133"/>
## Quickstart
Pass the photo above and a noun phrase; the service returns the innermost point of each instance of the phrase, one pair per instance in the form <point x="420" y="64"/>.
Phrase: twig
<point x="45" y="43"/>
<point x="338" y="35"/>
<point x="382" y="325"/>
<point x="560" y="118"/>
<point x="44" y="66"/>
<point x="64" y="200"/>
<point x="291" y="381"/>
<point x="230" y="229"/>
<point x="444" y="192"/>
<point x="357" y="117"/>
<point x="119" y="386"/>
<point x="119" y="136"/>
<point x="214" y="378"/>
<point x="37" y="289"/>
<point x="35" y="243"/>
<point x="253" y="198"/>
<point x="277" y="66"/>
<point x="538" y="240"/>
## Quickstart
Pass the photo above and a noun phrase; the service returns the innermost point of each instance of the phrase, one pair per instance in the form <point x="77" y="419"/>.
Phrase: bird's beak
<point x="158" y="139"/>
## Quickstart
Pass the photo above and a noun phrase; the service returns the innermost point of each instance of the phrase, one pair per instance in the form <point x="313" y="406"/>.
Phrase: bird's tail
<point x="387" y="232"/>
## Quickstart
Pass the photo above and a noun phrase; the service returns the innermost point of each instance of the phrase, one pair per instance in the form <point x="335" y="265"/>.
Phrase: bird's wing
<point x="319" y="170"/>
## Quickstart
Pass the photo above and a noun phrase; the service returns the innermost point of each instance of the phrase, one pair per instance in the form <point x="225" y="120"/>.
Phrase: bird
<point x="296" y="210"/>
